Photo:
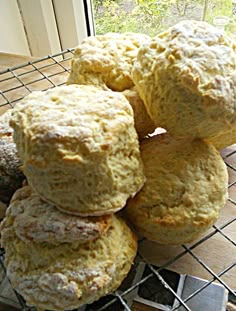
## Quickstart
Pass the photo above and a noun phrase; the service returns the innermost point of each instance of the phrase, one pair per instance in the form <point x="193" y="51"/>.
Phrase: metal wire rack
<point x="163" y="282"/>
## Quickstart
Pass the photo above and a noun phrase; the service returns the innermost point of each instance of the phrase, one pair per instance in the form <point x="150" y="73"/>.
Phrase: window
<point x="153" y="16"/>
<point x="43" y="27"/>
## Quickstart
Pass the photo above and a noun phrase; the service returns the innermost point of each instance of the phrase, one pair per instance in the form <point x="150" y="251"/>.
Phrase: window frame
<point x="44" y="27"/>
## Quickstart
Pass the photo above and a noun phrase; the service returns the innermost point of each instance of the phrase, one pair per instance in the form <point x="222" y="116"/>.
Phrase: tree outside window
<point x="153" y="16"/>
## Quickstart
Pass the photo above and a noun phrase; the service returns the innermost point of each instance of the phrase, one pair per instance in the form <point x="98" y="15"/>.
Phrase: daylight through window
<point x="153" y="16"/>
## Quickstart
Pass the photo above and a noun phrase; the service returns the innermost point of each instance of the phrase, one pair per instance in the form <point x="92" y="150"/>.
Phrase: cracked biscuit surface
<point x="106" y="61"/>
<point x="40" y="222"/>
<point x="66" y="276"/>
<point x="186" y="77"/>
<point x="79" y="148"/>
<point x="185" y="190"/>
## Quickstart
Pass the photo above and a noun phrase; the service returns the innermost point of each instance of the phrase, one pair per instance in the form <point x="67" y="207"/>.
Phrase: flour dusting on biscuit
<point x="79" y="148"/>
<point x="186" y="78"/>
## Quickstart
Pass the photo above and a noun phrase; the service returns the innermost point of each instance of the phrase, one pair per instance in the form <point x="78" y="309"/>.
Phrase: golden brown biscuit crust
<point x="66" y="276"/>
<point x="106" y="60"/>
<point x="79" y="147"/>
<point x="40" y="222"/>
<point x="225" y="139"/>
<point x="143" y="123"/>
<point x="185" y="190"/>
<point x="186" y="77"/>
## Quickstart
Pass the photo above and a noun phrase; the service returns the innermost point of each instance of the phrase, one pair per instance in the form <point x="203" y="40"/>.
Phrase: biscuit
<point x="143" y="123"/>
<point x="106" y="60"/>
<point x="5" y="129"/>
<point x="79" y="147"/>
<point x="11" y="177"/>
<point x="225" y="139"/>
<point x="66" y="276"/>
<point x="186" y="77"/>
<point x="185" y="190"/>
<point x="40" y="222"/>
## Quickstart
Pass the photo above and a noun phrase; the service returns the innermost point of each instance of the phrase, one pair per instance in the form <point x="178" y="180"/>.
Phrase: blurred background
<point x="43" y="27"/>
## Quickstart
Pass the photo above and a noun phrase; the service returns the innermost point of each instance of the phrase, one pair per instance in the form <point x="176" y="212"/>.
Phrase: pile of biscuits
<point x="88" y="151"/>
<point x="64" y="244"/>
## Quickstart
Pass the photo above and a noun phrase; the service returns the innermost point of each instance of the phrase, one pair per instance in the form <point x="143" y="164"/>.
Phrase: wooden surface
<point x="7" y="61"/>
<point x="140" y="307"/>
<point x="10" y="60"/>
<point x="217" y="253"/>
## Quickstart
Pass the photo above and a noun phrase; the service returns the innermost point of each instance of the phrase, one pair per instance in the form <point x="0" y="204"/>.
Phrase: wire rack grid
<point x="155" y="288"/>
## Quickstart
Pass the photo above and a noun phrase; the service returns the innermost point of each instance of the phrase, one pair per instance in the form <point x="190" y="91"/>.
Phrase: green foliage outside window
<point x="153" y="16"/>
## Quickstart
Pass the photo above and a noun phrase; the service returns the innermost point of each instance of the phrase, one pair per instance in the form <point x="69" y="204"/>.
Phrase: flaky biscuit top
<point x="40" y="222"/>
<point x="79" y="147"/>
<point x="64" y="120"/>
<point x="186" y="77"/>
<point x="106" y="60"/>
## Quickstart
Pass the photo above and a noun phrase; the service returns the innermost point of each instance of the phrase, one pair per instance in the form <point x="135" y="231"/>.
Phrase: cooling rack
<point x="196" y="277"/>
